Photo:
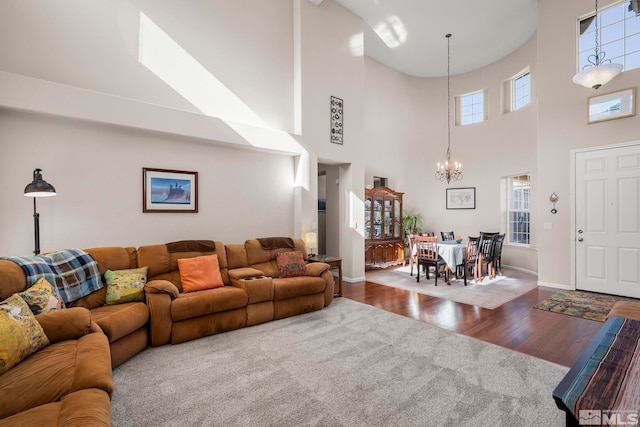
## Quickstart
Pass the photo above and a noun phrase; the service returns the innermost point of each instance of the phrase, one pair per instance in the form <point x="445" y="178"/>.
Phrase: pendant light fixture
<point x="599" y="71"/>
<point x="449" y="171"/>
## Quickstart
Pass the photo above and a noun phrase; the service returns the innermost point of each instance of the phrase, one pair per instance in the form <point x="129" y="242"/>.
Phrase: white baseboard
<point x="555" y="285"/>
<point x="354" y="279"/>
<point x="524" y="270"/>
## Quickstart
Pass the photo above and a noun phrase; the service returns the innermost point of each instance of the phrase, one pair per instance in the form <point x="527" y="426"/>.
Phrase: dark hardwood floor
<point x="516" y="325"/>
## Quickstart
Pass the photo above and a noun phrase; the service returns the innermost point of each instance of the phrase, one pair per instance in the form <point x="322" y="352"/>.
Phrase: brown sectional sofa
<point x="124" y="324"/>
<point x="70" y="381"/>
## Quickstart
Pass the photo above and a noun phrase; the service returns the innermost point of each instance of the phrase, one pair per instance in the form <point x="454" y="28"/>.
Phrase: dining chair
<point x="428" y="256"/>
<point x="497" y="253"/>
<point x="487" y="234"/>
<point x="486" y="256"/>
<point x="447" y="235"/>
<point x="471" y="257"/>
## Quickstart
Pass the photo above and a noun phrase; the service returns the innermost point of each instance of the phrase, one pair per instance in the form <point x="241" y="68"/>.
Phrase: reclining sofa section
<point x="253" y="292"/>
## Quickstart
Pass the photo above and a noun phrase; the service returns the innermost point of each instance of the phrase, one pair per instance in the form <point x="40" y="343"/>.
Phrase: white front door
<point x="607" y="220"/>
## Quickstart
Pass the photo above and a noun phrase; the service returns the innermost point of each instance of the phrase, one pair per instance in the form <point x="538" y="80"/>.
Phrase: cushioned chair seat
<point x="119" y="320"/>
<point x="297" y="286"/>
<point x="82" y="408"/>
<point x="54" y="372"/>
<point x="200" y="303"/>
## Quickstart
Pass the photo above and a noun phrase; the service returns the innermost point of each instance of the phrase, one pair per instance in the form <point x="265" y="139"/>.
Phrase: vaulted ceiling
<point x="409" y="35"/>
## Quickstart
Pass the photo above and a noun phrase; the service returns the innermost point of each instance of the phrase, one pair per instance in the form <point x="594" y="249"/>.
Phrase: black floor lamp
<point x="38" y="188"/>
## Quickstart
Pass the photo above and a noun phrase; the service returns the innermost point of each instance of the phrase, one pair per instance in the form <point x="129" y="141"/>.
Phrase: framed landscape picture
<point x="165" y="190"/>
<point x="610" y="106"/>
<point x="461" y="198"/>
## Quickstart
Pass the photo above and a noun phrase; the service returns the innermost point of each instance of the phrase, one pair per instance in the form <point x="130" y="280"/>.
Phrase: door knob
<point x="580" y="239"/>
<point x="580" y="231"/>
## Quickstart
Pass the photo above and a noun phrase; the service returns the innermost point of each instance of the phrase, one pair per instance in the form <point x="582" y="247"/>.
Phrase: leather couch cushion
<point x="90" y="407"/>
<point x="68" y="324"/>
<point x="200" y="303"/>
<point x="257" y="255"/>
<point x="236" y="256"/>
<point x="269" y="268"/>
<point x="12" y="279"/>
<point x="56" y="371"/>
<point x="297" y="286"/>
<point x="114" y="258"/>
<point x="164" y="265"/>
<point x="119" y="320"/>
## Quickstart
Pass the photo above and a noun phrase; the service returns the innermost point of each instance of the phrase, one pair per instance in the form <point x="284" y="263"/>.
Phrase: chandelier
<point x="598" y="71"/>
<point x="449" y="171"/>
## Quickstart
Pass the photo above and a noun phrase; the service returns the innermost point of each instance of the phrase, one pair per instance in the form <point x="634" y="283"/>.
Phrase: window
<point x="619" y="36"/>
<point x="521" y="91"/>
<point x="518" y="220"/>
<point x="471" y="108"/>
<point x="516" y="91"/>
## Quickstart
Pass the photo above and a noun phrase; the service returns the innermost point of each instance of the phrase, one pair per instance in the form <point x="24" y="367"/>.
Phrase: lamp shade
<point x="598" y="75"/>
<point x="311" y="239"/>
<point x="39" y="187"/>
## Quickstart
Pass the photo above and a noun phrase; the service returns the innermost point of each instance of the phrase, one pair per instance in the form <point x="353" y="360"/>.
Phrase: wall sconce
<point x="311" y="241"/>
<point x="553" y="198"/>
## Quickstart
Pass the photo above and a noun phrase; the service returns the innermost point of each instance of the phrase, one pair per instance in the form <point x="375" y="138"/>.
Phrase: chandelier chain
<point x="596" y="22"/>
<point x="448" y="96"/>
<point x="449" y="170"/>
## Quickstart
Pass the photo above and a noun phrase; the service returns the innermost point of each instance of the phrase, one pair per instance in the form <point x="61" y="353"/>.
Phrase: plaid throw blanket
<point x="73" y="271"/>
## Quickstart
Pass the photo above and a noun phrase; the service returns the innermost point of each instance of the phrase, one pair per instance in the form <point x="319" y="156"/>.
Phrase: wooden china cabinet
<point x="384" y="242"/>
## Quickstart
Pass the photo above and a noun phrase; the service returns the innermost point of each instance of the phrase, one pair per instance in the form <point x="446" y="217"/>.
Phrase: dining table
<point x="452" y="252"/>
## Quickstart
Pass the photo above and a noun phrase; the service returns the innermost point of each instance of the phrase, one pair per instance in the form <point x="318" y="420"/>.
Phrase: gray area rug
<point x="487" y="294"/>
<point x="347" y="365"/>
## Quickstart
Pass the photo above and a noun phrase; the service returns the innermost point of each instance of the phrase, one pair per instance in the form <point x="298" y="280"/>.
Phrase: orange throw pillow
<point x="199" y="273"/>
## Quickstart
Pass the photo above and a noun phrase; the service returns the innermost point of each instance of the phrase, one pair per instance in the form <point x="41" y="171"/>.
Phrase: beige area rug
<point x="487" y="294"/>
<point x="348" y="365"/>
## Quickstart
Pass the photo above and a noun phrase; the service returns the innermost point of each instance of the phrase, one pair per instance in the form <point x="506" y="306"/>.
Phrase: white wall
<point x="95" y="45"/>
<point x="406" y="136"/>
<point x="562" y="127"/>
<point x="97" y="172"/>
<point x="330" y="67"/>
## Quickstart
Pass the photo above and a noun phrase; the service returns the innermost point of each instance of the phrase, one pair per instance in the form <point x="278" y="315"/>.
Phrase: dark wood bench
<point x="595" y="380"/>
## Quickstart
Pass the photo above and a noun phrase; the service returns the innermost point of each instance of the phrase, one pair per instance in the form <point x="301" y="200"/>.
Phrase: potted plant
<point x="412" y="223"/>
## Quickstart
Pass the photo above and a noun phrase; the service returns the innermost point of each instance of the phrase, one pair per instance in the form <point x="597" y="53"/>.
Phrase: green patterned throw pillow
<point x="20" y="333"/>
<point x="125" y="285"/>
